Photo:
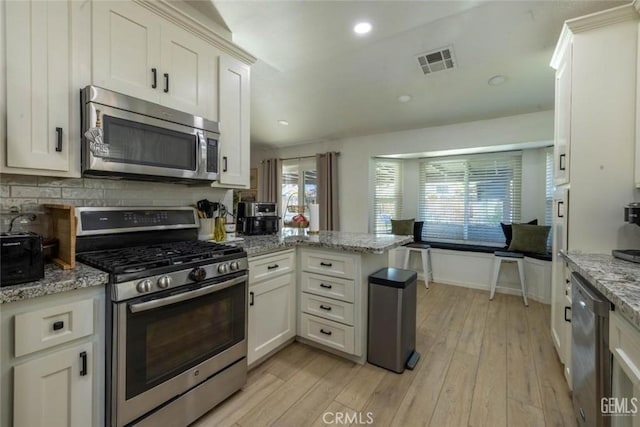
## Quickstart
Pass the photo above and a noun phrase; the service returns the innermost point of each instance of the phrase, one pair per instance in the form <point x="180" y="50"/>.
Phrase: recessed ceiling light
<point x="283" y="122"/>
<point x="362" y="28"/>
<point x="404" y="98"/>
<point x="497" y="80"/>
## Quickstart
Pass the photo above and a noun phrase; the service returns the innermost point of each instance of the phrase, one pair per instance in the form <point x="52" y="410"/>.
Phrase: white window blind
<point x="549" y="189"/>
<point x="466" y="197"/>
<point x="387" y="201"/>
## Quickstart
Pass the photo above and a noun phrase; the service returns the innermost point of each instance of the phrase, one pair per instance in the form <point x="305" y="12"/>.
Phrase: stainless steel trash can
<point x="392" y="319"/>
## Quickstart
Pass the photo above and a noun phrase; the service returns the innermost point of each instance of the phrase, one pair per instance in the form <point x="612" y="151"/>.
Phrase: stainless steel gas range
<point x="176" y="315"/>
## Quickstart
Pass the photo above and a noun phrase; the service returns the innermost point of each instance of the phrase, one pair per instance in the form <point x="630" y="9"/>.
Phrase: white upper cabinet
<point x="126" y="49"/>
<point x="40" y="96"/>
<point x="562" y="131"/>
<point x="142" y="55"/>
<point x="234" y="122"/>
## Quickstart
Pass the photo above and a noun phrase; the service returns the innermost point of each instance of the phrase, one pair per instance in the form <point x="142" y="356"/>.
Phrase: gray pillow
<point x="529" y="238"/>
<point x="403" y="227"/>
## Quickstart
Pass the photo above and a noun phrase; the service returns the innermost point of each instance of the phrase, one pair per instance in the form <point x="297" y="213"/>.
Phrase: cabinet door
<point x="558" y="275"/>
<point x="187" y="81"/>
<point x="55" y="390"/>
<point x="234" y="122"/>
<point x="562" y="135"/>
<point x="126" y="49"/>
<point x="272" y="307"/>
<point x="39" y="92"/>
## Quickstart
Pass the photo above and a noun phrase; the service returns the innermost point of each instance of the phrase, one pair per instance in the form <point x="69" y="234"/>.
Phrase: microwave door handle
<point x="162" y="302"/>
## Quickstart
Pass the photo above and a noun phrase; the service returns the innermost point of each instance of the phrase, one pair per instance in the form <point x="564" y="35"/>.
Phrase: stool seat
<point x="423" y="249"/>
<point x="506" y="256"/>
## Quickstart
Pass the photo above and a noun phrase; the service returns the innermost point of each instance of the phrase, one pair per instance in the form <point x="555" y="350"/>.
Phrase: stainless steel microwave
<point x="131" y="138"/>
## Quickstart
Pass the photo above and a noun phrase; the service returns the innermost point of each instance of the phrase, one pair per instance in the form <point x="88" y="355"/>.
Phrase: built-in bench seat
<point x="472" y="266"/>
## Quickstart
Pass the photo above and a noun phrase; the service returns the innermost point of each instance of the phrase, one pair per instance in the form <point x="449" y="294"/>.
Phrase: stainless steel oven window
<point x="148" y="145"/>
<point x="163" y="342"/>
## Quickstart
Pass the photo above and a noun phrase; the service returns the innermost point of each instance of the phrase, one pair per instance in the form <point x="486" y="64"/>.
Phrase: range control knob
<point x="234" y="265"/>
<point x="223" y="268"/>
<point x="198" y="274"/>
<point x="144" y="286"/>
<point x="164" y="282"/>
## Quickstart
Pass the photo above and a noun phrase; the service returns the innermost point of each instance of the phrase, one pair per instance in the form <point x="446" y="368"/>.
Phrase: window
<point x="466" y="197"/>
<point x="298" y="188"/>
<point x="387" y="199"/>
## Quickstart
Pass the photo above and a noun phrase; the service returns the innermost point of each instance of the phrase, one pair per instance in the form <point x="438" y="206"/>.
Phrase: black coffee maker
<point x="632" y="216"/>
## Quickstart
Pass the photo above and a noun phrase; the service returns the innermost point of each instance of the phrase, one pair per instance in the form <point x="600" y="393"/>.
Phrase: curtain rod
<point x="302" y="157"/>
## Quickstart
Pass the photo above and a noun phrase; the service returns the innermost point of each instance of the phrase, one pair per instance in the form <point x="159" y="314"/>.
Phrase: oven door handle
<point x="162" y="302"/>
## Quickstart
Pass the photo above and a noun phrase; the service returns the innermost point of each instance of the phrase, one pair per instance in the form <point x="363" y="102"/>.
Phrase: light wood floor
<point x="484" y="363"/>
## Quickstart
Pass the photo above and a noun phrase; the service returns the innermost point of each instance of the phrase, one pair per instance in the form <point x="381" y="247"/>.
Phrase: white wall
<point x="357" y="153"/>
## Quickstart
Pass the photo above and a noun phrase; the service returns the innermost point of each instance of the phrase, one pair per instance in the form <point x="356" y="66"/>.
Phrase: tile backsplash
<point x="25" y="193"/>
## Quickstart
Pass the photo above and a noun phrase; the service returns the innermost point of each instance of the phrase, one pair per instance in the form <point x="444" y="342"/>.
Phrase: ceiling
<point x="328" y="83"/>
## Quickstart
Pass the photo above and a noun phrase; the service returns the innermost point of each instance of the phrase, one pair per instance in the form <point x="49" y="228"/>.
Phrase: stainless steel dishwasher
<point x="590" y="356"/>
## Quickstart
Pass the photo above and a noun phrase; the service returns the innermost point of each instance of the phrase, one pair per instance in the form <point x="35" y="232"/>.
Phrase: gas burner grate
<point x="140" y="258"/>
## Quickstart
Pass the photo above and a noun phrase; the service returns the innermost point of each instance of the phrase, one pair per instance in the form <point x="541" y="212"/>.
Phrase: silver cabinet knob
<point x="164" y="282"/>
<point x="144" y="286"/>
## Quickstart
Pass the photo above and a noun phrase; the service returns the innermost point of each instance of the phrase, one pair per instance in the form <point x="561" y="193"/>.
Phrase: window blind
<point x="549" y="188"/>
<point x="466" y="197"/>
<point x="388" y="197"/>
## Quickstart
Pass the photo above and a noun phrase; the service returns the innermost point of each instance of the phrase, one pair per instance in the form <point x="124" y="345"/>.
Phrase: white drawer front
<point x="328" y="286"/>
<point x="327" y="263"/>
<point x="328" y="308"/>
<point x="624" y="343"/>
<point x="326" y="332"/>
<point x="51" y="326"/>
<point x="272" y="265"/>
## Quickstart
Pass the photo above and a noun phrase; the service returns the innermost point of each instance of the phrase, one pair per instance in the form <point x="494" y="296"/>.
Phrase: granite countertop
<point x="55" y="281"/>
<point x="616" y="279"/>
<point x="341" y="240"/>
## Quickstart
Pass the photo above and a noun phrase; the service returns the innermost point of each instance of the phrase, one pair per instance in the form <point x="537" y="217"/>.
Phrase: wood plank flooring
<point x="483" y="363"/>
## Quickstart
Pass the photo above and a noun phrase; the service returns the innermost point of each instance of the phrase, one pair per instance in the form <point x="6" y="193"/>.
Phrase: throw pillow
<point x="508" y="233"/>
<point x="403" y="227"/>
<point x="417" y="231"/>
<point x="529" y="238"/>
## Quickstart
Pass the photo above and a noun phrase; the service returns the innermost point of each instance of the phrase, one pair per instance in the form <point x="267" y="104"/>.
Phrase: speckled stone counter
<point x="55" y="281"/>
<point x="337" y="240"/>
<point x="616" y="279"/>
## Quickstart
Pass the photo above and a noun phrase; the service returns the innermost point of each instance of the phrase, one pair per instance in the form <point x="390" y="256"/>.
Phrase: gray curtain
<point x="327" y="169"/>
<point x="269" y="183"/>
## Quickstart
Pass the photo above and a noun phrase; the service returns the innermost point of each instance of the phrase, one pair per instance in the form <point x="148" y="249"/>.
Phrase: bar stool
<point x="423" y="250"/>
<point x="503" y="256"/>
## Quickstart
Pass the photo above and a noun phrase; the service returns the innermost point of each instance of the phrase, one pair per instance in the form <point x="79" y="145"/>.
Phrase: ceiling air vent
<point x="437" y="60"/>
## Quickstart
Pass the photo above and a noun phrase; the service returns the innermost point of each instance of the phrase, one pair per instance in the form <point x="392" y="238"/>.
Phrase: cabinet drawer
<point x="272" y="265"/>
<point x="51" y="326"/>
<point x="328" y="308"/>
<point x="624" y="343"/>
<point x="328" y="333"/>
<point x="326" y="263"/>
<point x="331" y="287"/>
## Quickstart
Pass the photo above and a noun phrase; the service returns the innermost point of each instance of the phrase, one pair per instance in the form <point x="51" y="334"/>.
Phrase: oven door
<point x="136" y="144"/>
<point x="166" y="344"/>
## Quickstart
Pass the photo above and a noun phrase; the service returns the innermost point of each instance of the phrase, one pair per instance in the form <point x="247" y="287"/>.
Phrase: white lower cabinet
<point x="272" y="306"/>
<point x="624" y="344"/>
<point x="53" y="357"/>
<point x="54" y="389"/>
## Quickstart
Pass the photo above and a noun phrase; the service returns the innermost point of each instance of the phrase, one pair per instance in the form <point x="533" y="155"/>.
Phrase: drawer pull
<point x="166" y="82"/>
<point x="322" y="285"/>
<point x="251" y="296"/>
<point x="326" y="264"/>
<point x="58" y="325"/>
<point x="566" y="318"/>
<point x="271" y="267"/>
<point x="83" y="363"/>
<point x="324" y="307"/>
<point x="322" y="331"/>
<point x="154" y="73"/>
